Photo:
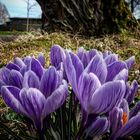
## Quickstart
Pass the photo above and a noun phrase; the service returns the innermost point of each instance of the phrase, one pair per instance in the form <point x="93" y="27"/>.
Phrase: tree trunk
<point x="88" y="17"/>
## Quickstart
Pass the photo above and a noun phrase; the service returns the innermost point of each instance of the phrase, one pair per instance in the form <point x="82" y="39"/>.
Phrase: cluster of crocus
<point x="99" y="81"/>
<point x="30" y="89"/>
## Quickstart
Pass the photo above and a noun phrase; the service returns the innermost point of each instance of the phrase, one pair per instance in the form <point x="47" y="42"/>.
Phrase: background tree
<point x="133" y="4"/>
<point x="4" y="14"/>
<point x="30" y="5"/>
<point x="90" y="17"/>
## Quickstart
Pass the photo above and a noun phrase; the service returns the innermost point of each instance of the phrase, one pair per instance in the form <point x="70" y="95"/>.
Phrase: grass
<point x="12" y="32"/>
<point x="33" y="43"/>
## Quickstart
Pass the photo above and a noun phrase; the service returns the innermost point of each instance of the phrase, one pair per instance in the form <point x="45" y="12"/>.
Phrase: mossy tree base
<point x="88" y="17"/>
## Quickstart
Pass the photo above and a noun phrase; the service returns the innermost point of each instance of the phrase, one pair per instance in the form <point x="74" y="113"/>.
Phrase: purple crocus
<point x="14" y="71"/>
<point x="112" y="67"/>
<point x="122" y="124"/>
<point x="36" y="93"/>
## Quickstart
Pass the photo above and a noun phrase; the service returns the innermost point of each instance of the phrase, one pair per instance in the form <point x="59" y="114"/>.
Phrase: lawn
<point x="33" y="43"/>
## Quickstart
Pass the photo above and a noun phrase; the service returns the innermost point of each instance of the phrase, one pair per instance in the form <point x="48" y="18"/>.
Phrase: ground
<point x="20" y="45"/>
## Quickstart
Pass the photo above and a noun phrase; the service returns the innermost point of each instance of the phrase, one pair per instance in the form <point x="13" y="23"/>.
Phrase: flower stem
<point x="41" y="135"/>
<point x="70" y="116"/>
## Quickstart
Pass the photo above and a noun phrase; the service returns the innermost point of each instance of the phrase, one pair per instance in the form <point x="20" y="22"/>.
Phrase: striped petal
<point x="98" y="66"/>
<point x="107" y="96"/>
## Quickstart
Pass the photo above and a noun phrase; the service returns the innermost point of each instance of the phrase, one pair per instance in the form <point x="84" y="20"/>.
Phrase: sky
<point x="18" y="8"/>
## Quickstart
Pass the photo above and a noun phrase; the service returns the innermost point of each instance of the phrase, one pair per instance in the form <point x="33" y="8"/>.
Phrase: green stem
<point x="41" y="135"/>
<point x="61" y="120"/>
<point x="70" y="116"/>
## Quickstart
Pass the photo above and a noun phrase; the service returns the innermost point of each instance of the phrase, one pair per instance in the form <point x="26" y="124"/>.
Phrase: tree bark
<point x="88" y="17"/>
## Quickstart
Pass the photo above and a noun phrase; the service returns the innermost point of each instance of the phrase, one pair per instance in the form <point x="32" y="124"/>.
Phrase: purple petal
<point x="134" y="89"/>
<point x="10" y="95"/>
<point x="11" y="66"/>
<point x="34" y="104"/>
<point x="49" y="81"/>
<point x="125" y="108"/>
<point x="16" y="78"/>
<point x="91" y="54"/>
<point x="1" y="84"/>
<point x="111" y="58"/>
<point x="18" y="61"/>
<point x="30" y="80"/>
<point x="115" y="117"/>
<point x="71" y="72"/>
<point x="114" y="69"/>
<point x="4" y="75"/>
<point x="27" y="60"/>
<point x="122" y="75"/>
<point x="106" y="53"/>
<point x="82" y="54"/>
<point x="41" y="59"/>
<point x="57" y="98"/>
<point x="57" y="55"/>
<point x="77" y="65"/>
<point x="99" y="127"/>
<point x="36" y="67"/>
<point x="98" y="66"/>
<point x="130" y="62"/>
<point x="87" y="85"/>
<point x="111" y="93"/>
<point x="135" y="110"/>
<point x="131" y="128"/>
<point x="23" y="70"/>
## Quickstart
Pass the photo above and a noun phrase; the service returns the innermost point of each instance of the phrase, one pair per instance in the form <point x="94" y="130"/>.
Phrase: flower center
<point x="125" y="118"/>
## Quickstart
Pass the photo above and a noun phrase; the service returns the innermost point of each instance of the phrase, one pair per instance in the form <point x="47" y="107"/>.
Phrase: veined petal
<point x="131" y="128"/>
<point x="16" y="78"/>
<point x="49" y="81"/>
<point x="41" y="59"/>
<point x="57" y="55"/>
<point x="115" y="117"/>
<point x="71" y="72"/>
<point x="90" y="54"/>
<point x="114" y="69"/>
<point x="82" y="54"/>
<point x="122" y="75"/>
<point x="99" y="127"/>
<point x="11" y="66"/>
<point x="36" y="67"/>
<point x="57" y="98"/>
<point x="106" y="53"/>
<point x="130" y="62"/>
<point x="111" y="93"/>
<point x="34" y="104"/>
<point x="10" y="95"/>
<point x="125" y="108"/>
<point x="111" y="58"/>
<point x="27" y="60"/>
<point x="4" y="75"/>
<point x="134" y="111"/>
<point x="97" y="66"/>
<point x="87" y="85"/>
<point x="77" y="65"/>
<point x="18" y="61"/>
<point x="30" y="80"/>
<point x="134" y="89"/>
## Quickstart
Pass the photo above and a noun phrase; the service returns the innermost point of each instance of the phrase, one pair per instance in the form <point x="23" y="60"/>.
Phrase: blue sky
<point x="18" y="8"/>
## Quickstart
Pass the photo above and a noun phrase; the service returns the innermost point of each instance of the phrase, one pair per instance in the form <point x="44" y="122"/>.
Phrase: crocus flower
<point x="99" y="127"/>
<point x="35" y="94"/>
<point x="113" y="67"/>
<point x="14" y="71"/>
<point x="122" y="125"/>
<point x="95" y="94"/>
